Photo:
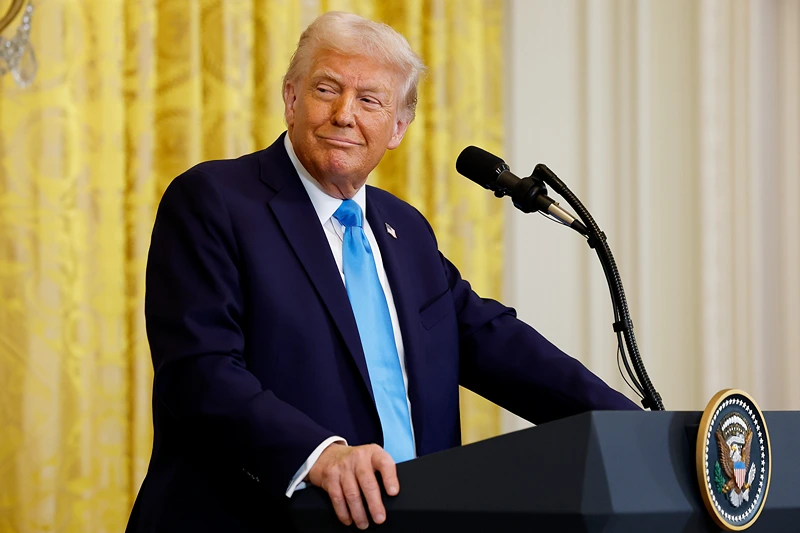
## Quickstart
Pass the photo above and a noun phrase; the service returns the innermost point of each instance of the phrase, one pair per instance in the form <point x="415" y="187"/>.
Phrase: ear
<point x="400" y="128"/>
<point x="289" y="101"/>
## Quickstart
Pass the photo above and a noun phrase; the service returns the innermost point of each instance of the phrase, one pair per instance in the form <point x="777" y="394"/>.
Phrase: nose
<point x="343" y="112"/>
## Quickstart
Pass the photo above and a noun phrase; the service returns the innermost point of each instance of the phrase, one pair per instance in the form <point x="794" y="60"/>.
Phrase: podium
<point x="600" y="471"/>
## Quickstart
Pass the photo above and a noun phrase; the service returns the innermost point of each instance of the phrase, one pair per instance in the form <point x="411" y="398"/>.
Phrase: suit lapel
<point x="298" y="220"/>
<point x="395" y="254"/>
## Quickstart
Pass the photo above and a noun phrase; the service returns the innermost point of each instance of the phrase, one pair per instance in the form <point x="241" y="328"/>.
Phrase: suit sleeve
<point x="194" y="305"/>
<point x="508" y="362"/>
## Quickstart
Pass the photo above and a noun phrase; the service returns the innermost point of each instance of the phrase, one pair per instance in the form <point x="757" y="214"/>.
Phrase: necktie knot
<point x="348" y="214"/>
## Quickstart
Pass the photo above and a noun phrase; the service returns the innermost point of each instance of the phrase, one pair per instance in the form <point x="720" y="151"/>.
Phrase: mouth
<point x="340" y="141"/>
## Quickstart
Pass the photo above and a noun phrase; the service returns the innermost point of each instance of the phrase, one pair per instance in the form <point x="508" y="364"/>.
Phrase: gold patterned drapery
<point x="129" y="94"/>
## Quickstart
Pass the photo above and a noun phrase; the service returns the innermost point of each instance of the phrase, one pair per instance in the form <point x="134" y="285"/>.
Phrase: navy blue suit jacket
<point x="257" y="355"/>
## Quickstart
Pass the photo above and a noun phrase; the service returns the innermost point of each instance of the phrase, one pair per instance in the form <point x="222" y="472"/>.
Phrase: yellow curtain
<point x="129" y="94"/>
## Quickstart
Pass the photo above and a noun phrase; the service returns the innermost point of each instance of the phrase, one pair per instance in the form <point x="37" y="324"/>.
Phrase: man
<point x="304" y="328"/>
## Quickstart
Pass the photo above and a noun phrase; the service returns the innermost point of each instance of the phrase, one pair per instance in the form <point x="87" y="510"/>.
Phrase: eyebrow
<point x="327" y="75"/>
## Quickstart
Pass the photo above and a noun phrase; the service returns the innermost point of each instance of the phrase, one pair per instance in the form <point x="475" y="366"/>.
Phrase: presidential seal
<point x="733" y="459"/>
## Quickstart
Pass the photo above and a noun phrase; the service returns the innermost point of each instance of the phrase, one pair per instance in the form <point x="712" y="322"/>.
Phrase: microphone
<point x="528" y="194"/>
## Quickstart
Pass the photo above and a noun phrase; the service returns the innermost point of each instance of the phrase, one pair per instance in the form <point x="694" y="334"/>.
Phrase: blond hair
<point x="349" y="34"/>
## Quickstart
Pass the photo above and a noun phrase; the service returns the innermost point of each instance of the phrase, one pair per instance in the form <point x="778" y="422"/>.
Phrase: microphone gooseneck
<point x="530" y="194"/>
<point x="624" y="324"/>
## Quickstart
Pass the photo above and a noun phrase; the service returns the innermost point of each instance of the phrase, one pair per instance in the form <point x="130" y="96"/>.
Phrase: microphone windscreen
<point x="478" y="165"/>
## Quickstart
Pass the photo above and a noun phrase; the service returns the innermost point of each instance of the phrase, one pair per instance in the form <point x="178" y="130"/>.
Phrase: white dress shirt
<point x="325" y="206"/>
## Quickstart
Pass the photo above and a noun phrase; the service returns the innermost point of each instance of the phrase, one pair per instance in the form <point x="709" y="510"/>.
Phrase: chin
<point x="340" y="167"/>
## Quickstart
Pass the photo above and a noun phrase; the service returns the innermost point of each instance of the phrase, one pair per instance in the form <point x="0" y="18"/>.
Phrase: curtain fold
<point x="130" y="94"/>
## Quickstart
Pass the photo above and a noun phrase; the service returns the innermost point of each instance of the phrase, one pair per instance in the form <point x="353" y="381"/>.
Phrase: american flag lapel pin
<point x="390" y="230"/>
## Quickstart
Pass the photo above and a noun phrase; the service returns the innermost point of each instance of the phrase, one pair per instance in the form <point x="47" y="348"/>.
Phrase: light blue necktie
<point x="377" y="338"/>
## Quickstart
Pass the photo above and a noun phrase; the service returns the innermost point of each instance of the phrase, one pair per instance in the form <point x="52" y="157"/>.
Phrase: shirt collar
<point x="324" y="204"/>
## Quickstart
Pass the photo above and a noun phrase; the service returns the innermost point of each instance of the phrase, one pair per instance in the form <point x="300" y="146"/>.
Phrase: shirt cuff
<point x="297" y="481"/>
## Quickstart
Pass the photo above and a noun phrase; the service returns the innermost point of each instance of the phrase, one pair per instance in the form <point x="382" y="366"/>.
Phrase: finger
<point x="339" y="503"/>
<point x="352" y="493"/>
<point x="383" y="463"/>
<point x="365" y="475"/>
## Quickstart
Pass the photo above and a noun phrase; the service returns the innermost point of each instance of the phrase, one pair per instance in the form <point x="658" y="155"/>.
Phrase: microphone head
<point x="480" y="166"/>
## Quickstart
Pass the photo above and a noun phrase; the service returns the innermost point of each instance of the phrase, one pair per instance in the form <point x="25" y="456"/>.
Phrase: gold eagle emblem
<point x="734" y="440"/>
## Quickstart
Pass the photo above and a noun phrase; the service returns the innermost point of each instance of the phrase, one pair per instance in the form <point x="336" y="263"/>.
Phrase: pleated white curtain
<point x="678" y="124"/>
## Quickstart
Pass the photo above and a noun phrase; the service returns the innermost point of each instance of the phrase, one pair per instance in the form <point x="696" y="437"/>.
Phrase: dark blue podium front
<point x="600" y="471"/>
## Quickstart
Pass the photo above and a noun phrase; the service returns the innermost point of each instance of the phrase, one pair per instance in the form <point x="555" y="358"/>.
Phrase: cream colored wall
<point x="674" y="122"/>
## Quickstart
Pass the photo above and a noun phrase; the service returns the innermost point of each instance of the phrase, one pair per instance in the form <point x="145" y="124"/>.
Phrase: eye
<point x="369" y="100"/>
<point x="324" y="89"/>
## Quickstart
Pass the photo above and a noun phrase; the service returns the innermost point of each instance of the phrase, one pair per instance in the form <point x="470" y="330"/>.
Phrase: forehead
<point x="362" y="72"/>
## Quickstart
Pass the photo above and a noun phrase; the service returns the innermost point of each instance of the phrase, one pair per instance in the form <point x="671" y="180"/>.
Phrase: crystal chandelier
<point x="16" y="54"/>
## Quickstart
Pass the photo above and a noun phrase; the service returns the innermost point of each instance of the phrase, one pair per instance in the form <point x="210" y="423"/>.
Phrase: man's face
<point x="342" y="117"/>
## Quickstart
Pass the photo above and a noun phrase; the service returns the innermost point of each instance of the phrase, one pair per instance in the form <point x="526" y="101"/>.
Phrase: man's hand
<point x="344" y="472"/>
